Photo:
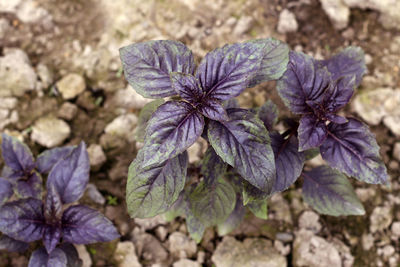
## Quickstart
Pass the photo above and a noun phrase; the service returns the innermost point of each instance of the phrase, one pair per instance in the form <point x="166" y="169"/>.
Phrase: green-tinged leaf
<point x="251" y="193"/>
<point x="195" y="227"/>
<point x="311" y="153"/>
<point x="268" y="114"/>
<point x="329" y="192"/>
<point x="152" y="190"/>
<point x="144" y="117"/>
<point x="213" y="167"/>
<point x="234" y="219"/>
<point x="259" y="208"/>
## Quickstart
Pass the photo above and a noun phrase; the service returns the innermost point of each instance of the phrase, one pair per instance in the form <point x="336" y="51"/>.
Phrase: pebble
<point x="68" y="111"/>
<point x="125" y="255"/>
<point x="71" y="85"/>
<point x="50" y="132"/>
<point x="367" y="241"/>
<point x="396" y="151"/>
<point x="148" y="247"/>
<point x="395" y="230"/>
<point x="243" y="25"/>
<point x="45" y="75"/>
<point x="84" y="255"/>
<point x="337" y="11"/>
<point x="96" y="156"/>
<point x="95" y="195"/>
<point x="150" y="223"/>
<point x="128" y="98"/>
<point x="310" y="220"/>
<point x="380" y="219"/>
<point x="287" y="22"/>
<point x="8" y="102"/>
<point x="181" y="246"/>
<point x="123" y="126"/>
<point x="186" y="263"/>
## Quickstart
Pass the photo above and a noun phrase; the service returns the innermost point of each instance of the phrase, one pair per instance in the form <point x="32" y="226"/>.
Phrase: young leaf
<point x="12" y="245"/>
<point x="46" y="160"/>
<point x="259" y="208"/>
<point x="339" y="93"/>
<point x="40" y="258"/>
<point x="349" y="62"/>
<point x="173" y="128"/>
<point x="213" y="167"/>
<point x="70" y="251"/>
<point x="289" y="161"/>
<point x="53" y="205"/>
<point x="219" y="202"/>
<point x="195" y="227"/>
<point x="6" y="190"/>
<point x="147" y="66"/>
<point x="329" y="192"/>
<point x="152" y="190"/>
<point x="243" y="143"/>
<point x="351" y="148"/>
<point x="312" y="132"/>
<point x="251" y="193"/>
<point x="213" y="109"/>
<point x="225" y="72"/>
<point x="144" y="116"/>
<point x="22" y="220"/>
<point x="30" y="187"/>
<point x="70" y="175"/>
<point x="10" y="174"/>
<point x="274" y="61"/>
<point x="17" y="155"/>
<point x="234" y="219"/>
<point x="187" y="86"/>
<point x="83" y="225"/>
<point x="268" y="114"/>
<point x="51" y="237"/>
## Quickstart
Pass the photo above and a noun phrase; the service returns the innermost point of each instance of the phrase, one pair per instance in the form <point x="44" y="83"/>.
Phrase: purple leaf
<point x="351" y="148"/>
<point x="234" y="220"/>
<point x="312" y="132"/>
<point x="53" y="205"/>
<point x="231" y="103"/>
<point x="243" y="143"/>
<point x="195" y="227"/>
<point x="225" y="72"/>
<point x="30" y="187"/>
<point x="70" y="175"/>
<point x="147" y="66"/>
<point x="70" y="251"/>
<point x="40" y="258"/>
<point x="289" y="161"/>
<point x="339" y="93"/>
<point x="49" y="158"/>
<point x="274" y="61"/>
<point x="6" y="190"/>
<point x="51" y="237"/>
<point x="187" y="86"/>
<point x="17" y="155"/>
<point x="302" y="82"/>
<point x="336" y="118"/>
<point x="268" y="114"/>
<point x="349" y="62"/>
<point x="10" y="174"/>
<point x="213" y="109"/>
<point x="23" y="219"/>
<point x="213" y="167"/>
<point x="12" y="245"/>
<point x="251" y="193"/>
<point x="83" y="225"/>
<point x="329" y="192"/>
<point x="144" y="116"/>
<point x="174" y="127"/>
<point x="152" y="190"/>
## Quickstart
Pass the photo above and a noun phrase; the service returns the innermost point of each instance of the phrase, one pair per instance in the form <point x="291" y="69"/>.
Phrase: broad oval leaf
<point x="152" y="190"/>
<point x="187" y="86"/>
<point x="213" y="167"/>
<point x="147" y="66"/>
<point x="213" y="109"/>
<point x="32" y="186"/>
<point x="312" y="132"/>
<point x="12" y="245"/>
<point x="195" y="227"/>
<point x="70" y="175"/>
<point x="329" y="192"/>
<point x="51" y="237"/>
<point x="274" y="61"/>
<point x="70" y="251"/>
<point x="289" y="161"/>
<point x="6" y="190"/>
<point x="174" y="127"/>
<point x="212" y="206"/>
<point x="225" y="72"/>
<point x="268" y="114"/>
<point x="251" y="193"/>
<point x="243" y="143"/>
<point x="259" y="208"/>
<point x="22" y="219"/>
<point x="83" y="225"/>
<point x="50" y="157"/>
<point x="16" y="155"/>
<point x="144" y="116"/>
<point x="234" y="219"/>
<point x="351" y="148"/>
<point x="40" y="258"/>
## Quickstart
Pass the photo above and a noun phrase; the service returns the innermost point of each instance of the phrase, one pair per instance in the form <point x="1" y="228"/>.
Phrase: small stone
<point x="161" y="233"/>
<point x="279" y="209"/>
<point x="380" y="219"/>
<point x="68" y="111"/>
<point x="44" y="74"/>
<point x="150" y="223"/>
<point x="395" y="230"/>
<point x="148" y="247"/>
<point x="365" y="194"/>
<point x="50" y="131"/>
<point x="388" y="251"/>
<point x="284" y="237"/>
<point x="344" y="252"/>
<point x="337" y="12"/>
<point x="367" y="241"/>
<point x="125" y="255"/>
<point x="95" y="195"/>
<point x="71" y="85"/>
<point x="201" y="257"/>
<point x="186" y="263"/>
<point x="243" y="25"/>
<point x="181" y="246"/>
<point x="194" y="152"/>
<point x="393" y="123"/>
<point x="287" y="22"/>
<point x="310" y="220"/>
<point x="84" y="256"/>
<point x="8" y="102"/>
<point x="96" y="156"/>
<point x="283" y="250"/>
<point x="314" y="251"/>
<point x="123" y="126"/>
<point x="129" y="99"/>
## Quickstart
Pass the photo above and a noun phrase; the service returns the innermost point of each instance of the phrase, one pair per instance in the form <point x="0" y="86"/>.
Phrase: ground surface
<point x="60" y="37"/>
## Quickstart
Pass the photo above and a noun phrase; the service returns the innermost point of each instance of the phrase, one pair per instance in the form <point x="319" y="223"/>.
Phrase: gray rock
<point x="310" y="220"/>
<point x="123" y="126"/>
<point x="380" y="219"/>
<point x="67" y="111"/>
<point x="84" y="256"/>
<point x="16" y="73"/>
<point x="367" y="241"/>
<point x="71" y="85"/>
<point x="395" y="230"/>
<point x="255" y="252"/>
<point x="148" y="247"/>
<point x="95" y="195"/>
<point x="310" y="250"/>
<point x="128" y="98"/>
<point x="337" y="11"/>
<point x="96" y="156"/>
<point x="181" y="246"/>
<point x="8" y="102"/>
<point x="344" y="252"/>
<point x="393" y="123"/>
<point x="150" y="223"/>
<point x="396" y="151"/>
<point x="194" y="152"/>
<point x="125" y="255"/>
<point x="161" y="232"/>
<point x="50" y="131"/>
<point x="186" y="263"/>
<point x="243" y="25"/>
<point x="45" y="75"/>
<point x="279" y="209"/>
<point x="287" y="22"/>
<point x="4" y="26"/>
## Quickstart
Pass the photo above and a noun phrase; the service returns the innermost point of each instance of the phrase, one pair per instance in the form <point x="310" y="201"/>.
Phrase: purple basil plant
<point x="247" y="160"/>
<point x="54" y="218"/>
